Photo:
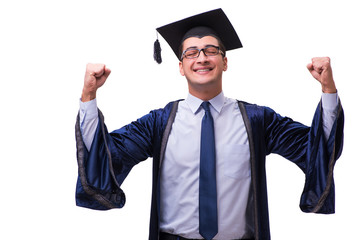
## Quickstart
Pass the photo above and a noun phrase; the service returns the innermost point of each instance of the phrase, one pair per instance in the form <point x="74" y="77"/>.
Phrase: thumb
<point x="313" y="72"/>
<point x="310" y="67"/>
<point x="107" y="72"/>
<point x="102" y="79"/>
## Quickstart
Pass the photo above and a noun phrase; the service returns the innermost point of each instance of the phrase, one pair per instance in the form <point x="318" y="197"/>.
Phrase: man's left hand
<point x="320" y="69"/>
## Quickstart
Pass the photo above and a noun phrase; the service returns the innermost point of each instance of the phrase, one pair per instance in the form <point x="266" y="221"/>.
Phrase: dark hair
<point x="221" y="46"/>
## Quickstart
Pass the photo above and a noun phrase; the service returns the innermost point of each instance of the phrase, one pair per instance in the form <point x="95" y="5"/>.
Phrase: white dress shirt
<point x="180" y="170"/>
<point x="179" y="185"/>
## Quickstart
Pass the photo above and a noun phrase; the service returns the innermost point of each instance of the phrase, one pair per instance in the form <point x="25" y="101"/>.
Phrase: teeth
<point x="203" y="70"/>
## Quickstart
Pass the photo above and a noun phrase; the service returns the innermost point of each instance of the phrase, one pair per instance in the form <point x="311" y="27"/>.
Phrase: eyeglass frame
<point x="202" y="50"/>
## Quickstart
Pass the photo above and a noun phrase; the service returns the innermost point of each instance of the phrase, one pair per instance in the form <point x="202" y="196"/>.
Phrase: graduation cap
<point x="213" y="23"/>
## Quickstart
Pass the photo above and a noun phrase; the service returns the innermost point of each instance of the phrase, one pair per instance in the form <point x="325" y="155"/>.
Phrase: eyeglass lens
<point x="208" y="51"/>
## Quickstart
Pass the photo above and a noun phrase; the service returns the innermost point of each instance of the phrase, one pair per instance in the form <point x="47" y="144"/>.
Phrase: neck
<point x="204" y="94"/>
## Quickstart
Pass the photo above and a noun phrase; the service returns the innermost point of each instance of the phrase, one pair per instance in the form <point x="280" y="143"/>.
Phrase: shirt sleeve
<point x="330" y="105"/>
<point x="88" y="121"/>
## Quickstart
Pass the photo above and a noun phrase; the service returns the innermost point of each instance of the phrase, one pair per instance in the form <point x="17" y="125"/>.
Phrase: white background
<point x="44" y="48"/>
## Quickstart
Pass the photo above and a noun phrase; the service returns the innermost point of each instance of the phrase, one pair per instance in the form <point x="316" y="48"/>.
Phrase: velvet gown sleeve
<point x="104" y="167"/>
<point x="309" y="149"/>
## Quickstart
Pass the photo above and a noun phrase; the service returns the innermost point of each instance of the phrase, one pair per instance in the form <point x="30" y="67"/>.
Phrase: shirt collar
<point x="194" y="103"/>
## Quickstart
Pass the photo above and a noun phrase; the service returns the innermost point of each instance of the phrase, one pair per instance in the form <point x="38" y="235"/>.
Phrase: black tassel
<point x="157" y="51"/>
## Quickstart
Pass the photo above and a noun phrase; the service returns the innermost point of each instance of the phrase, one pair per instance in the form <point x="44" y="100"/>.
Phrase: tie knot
<point x="206" y="106"/>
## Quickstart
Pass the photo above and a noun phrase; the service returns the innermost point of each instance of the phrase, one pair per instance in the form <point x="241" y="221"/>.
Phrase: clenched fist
<point x="320" y="69"/>
<point x="95" y="77"/>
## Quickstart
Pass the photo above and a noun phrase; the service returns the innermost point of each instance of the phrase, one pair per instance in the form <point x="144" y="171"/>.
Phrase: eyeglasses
<point x="194" y="52"/>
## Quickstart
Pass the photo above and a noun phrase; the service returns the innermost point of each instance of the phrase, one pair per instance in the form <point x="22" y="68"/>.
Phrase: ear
<point x="225" y="64"/>
<point x="181" y="68"/>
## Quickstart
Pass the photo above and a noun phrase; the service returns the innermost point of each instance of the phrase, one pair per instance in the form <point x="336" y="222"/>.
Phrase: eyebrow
<point x="196" y="47"/>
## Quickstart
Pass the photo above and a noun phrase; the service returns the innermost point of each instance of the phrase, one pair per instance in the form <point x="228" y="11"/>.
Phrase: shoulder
<point x="160" y="116"/>
<point x="252" y="108"/>
<point x="165" y="111"/>
<point x="257" y="112"/>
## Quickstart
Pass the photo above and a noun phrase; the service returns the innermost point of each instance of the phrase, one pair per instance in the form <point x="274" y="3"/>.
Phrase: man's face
<point x="203" y="72"/>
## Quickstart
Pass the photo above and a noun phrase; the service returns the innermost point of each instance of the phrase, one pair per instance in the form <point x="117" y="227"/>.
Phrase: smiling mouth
<point x="203" y="70"/>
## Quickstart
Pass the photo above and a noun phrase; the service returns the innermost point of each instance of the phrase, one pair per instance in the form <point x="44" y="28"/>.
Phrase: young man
<point x="208" y="151"/>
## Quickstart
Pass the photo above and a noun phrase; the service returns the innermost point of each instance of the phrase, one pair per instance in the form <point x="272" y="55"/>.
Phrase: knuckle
<point x="89" y="67"/>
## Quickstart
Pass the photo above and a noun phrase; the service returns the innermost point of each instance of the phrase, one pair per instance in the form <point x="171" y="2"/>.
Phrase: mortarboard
<point x="213" y="23"/>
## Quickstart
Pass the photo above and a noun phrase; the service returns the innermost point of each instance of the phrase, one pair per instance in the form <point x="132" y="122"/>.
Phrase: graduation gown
<point x="112" y="156"/>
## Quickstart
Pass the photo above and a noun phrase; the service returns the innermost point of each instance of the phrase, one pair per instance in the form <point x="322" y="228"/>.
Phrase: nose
<point x="202" y="57"/>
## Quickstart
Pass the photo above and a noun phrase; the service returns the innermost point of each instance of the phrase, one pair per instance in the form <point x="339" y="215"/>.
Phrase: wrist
<point x="329" y="89"/>
<point x="87" y="96"/>
<point x="328" y="86"/>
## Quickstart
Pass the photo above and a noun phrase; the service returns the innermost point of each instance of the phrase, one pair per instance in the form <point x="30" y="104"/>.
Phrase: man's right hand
<point x="95" y="77"/>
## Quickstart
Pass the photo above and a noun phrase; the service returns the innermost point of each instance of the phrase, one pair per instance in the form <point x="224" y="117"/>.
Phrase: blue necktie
<point x="208" y="226"/>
